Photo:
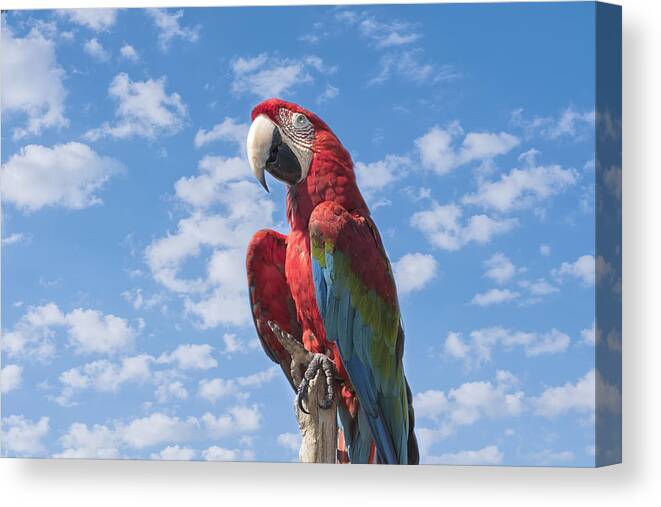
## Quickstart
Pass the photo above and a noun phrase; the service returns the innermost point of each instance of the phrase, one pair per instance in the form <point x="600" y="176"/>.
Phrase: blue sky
<point x="128" y="203"/>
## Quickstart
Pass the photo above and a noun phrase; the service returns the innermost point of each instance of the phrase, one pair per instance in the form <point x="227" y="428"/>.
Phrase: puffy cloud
<point x="128" y="52"/>
<point x="89" y="331"/>
<point x="589" y="335"/>
<point x="227" y="130"/>
<point x="10" y="377"/>
<point x="215" y="453"/>
<point x="94" y="48"/>
<point x="494" y="296"/>
<point x="290" y="441"/>
<point x="169" y="28"/>
<point x="375" y="176"/>
<point x="409" y="66"/>
<point x="32" y="82"/>
<point x="175" y="453"/>
<point x="15" y="238"/>
<point x="484" y="340"/>
<point x="414" y="271"/>
<point x="157" y="428"/>
<point x="381" y="34"/>
<point x="522" y="188"/>
<point x="144" y="109"/>
<point x="444" y="228"/>
<point x="269" y="76"/>
<point x="582" y="268"/>
<point x="191" y="356"/>
<point x="98" y="20"/>
<point x="103" y="376"/>
<point x="234" y="344"/>
<point x="214" y="389"/>
<point x="226" y="208"/>
<point x="66" y="175"/>
<point x="96" y="442"/>
<point x="569" y="123"/>
<point x="238" y="420"/>
<point x="490" y="455"/>
<point x="23" y="437"/>
<point x="465" y="405"/>
<point x="579" y="397"/>
<point x="499" y="268"/>
<point x="439" y="152"/>
<point x="539" y="287"/>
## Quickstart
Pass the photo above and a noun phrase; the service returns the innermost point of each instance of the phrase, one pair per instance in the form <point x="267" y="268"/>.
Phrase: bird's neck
<point x="331" y="178"/>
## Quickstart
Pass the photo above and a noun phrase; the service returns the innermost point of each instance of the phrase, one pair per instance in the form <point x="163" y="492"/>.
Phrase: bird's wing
<point x="357" y="299"/>
<point x="270" y="297"/>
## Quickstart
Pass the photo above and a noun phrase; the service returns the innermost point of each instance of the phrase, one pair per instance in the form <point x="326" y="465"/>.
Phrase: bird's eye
<point x="300" y="120"/>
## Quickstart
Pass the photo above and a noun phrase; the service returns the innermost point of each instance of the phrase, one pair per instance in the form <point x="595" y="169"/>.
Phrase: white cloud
<point x="10" y="378"/>
<point x="128" y="52"/>
<point x="234" y="344"/>
<point x="98" y="20"/>
<point x="214" y="389"/>
<point x="138" y="301"/>
<point x="240" y="207"/>
<point x="522" y="188"/>
<point x="23" y="437"/>
<point x="465" y="405"/>
<point x="191" y="357"/>
<point x="329" y="93"/>
<point x="381" y="34"/>
<point x="97" y="442"/>
<point x="579" y="397"/>
<point x="408" y="66"/>
<point x="103" y="376"/>
<point x="144" y="109"/>
<point x="443" y="227"/>
<point x="32" y="82"/>
<point x="169" y="28"/>
<point x="94" y="48"/>
<point x="589" y="335"/>
<point x="490" y="455"/>
<point x="215" y="453"/>
<point x="499" y="268"/>
<point x="228" y="130"/>
<point x="414" y="271"/>
<point x="375" y="176"/>
<point x="14" y="238"/>
<point x="66" y="175"/>
<point x="175" y="452"/>
<point x="569" y="123"/>
<point x="89" y="331"/>
<point x="583" y="269"/>
<point x="290" y="441"/>
<point x="494" y="297"/>
<point x="238" y="420"/>
<point x="272" y="76"/>
<point x="440" y="152"/>
<point x="484" y="340"/>
<point x="171" y="390"/>
<point x="539" y="287"/>
<point x="157" y="428"/>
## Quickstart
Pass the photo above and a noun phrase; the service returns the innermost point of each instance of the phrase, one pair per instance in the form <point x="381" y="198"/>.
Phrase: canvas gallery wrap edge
<point x="375" y="234"/>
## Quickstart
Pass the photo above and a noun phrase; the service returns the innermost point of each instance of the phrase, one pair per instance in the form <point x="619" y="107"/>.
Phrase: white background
<point x="636" y="482"/>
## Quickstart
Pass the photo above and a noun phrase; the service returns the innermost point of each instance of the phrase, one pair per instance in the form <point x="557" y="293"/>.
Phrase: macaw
<point x="328" y="284"/>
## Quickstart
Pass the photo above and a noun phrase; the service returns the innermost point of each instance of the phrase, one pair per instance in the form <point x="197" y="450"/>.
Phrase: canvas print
<point x="329" y="234"/>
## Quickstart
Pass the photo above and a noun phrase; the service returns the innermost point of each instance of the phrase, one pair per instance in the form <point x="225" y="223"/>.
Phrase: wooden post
<point x="319" y="428"/>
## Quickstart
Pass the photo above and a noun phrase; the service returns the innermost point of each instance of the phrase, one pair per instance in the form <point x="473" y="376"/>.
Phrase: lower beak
<point x="267" y="150"/>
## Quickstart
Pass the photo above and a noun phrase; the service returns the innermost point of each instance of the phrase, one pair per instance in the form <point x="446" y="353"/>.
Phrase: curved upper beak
<point x="268" y="151"/>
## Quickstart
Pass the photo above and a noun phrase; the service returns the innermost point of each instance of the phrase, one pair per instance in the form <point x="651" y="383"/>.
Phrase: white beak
<point x="258" y="146"/>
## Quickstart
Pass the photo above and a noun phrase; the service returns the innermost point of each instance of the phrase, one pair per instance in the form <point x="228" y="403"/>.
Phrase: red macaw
<point x="328" y="283"/>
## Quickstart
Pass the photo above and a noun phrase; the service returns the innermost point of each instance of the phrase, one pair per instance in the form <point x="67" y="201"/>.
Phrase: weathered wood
<point x="319" y="428"/>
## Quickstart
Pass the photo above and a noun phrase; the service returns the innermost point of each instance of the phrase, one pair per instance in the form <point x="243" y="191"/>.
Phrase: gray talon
<point x="323" y="362"/>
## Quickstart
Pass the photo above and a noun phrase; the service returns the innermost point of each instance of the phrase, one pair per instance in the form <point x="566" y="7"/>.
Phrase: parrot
<point x="328" y="285"/>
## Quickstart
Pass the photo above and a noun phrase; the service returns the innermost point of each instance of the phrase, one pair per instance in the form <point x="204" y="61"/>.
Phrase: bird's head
<point x="283" y="140"/>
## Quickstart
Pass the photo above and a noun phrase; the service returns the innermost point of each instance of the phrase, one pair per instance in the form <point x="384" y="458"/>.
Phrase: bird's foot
<point x="318" y="362"/>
